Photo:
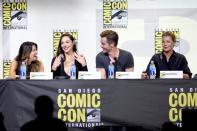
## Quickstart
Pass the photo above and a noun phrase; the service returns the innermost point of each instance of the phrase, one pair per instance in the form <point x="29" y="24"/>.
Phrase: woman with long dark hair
<point x="66" y="55"/>
<point x="28" y="54"/>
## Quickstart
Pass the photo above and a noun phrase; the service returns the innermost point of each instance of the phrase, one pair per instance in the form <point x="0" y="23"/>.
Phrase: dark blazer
<point x="61" y="72"/>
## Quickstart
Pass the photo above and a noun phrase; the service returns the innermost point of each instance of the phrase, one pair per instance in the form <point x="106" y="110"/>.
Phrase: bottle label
<point x="23" y="73"/>
<point x="73" y="73"/>
<point x="111" y="72"/>
<point x="152" y="73"/>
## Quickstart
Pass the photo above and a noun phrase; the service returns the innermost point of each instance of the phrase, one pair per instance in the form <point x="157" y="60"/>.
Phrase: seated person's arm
<point x="129" y="69"/>
<point x="130" y="64"/>
<point x="100" y="66"/>
<point x="41" y="67"/>
<point x="84" y="68"/>
<point x="56" y="62"/>
<point x="186" y="76"/>
<point x="103" y="74"/>
<point x="80" y="58"/>
<point x="13" y="68"/>
<point x="186" y="71"/>
<point x="144" y="75"/>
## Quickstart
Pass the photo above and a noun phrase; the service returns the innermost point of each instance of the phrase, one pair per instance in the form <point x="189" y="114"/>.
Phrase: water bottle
<point x="23" y="71"/>
<point x="73" y="71"/>
<point x="152" y="70"/>
<point x="111" y="71"/>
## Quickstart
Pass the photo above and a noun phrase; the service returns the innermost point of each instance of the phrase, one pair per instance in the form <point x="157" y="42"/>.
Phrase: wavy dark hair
<point x="23" y="55"/>
<point x="60" y="50"/>
<point x="25" y="50"/>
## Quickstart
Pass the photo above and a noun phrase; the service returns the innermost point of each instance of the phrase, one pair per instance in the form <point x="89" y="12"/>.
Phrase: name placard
<point x="89" y="75"/>
<point x="41" y="75"/>
<point x="171" y="74"/>
<point x="127" y="75"/>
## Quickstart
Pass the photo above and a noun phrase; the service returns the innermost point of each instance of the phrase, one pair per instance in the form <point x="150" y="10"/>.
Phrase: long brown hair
<point x="60" y="50"/>
<point x="23" y="55"/>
